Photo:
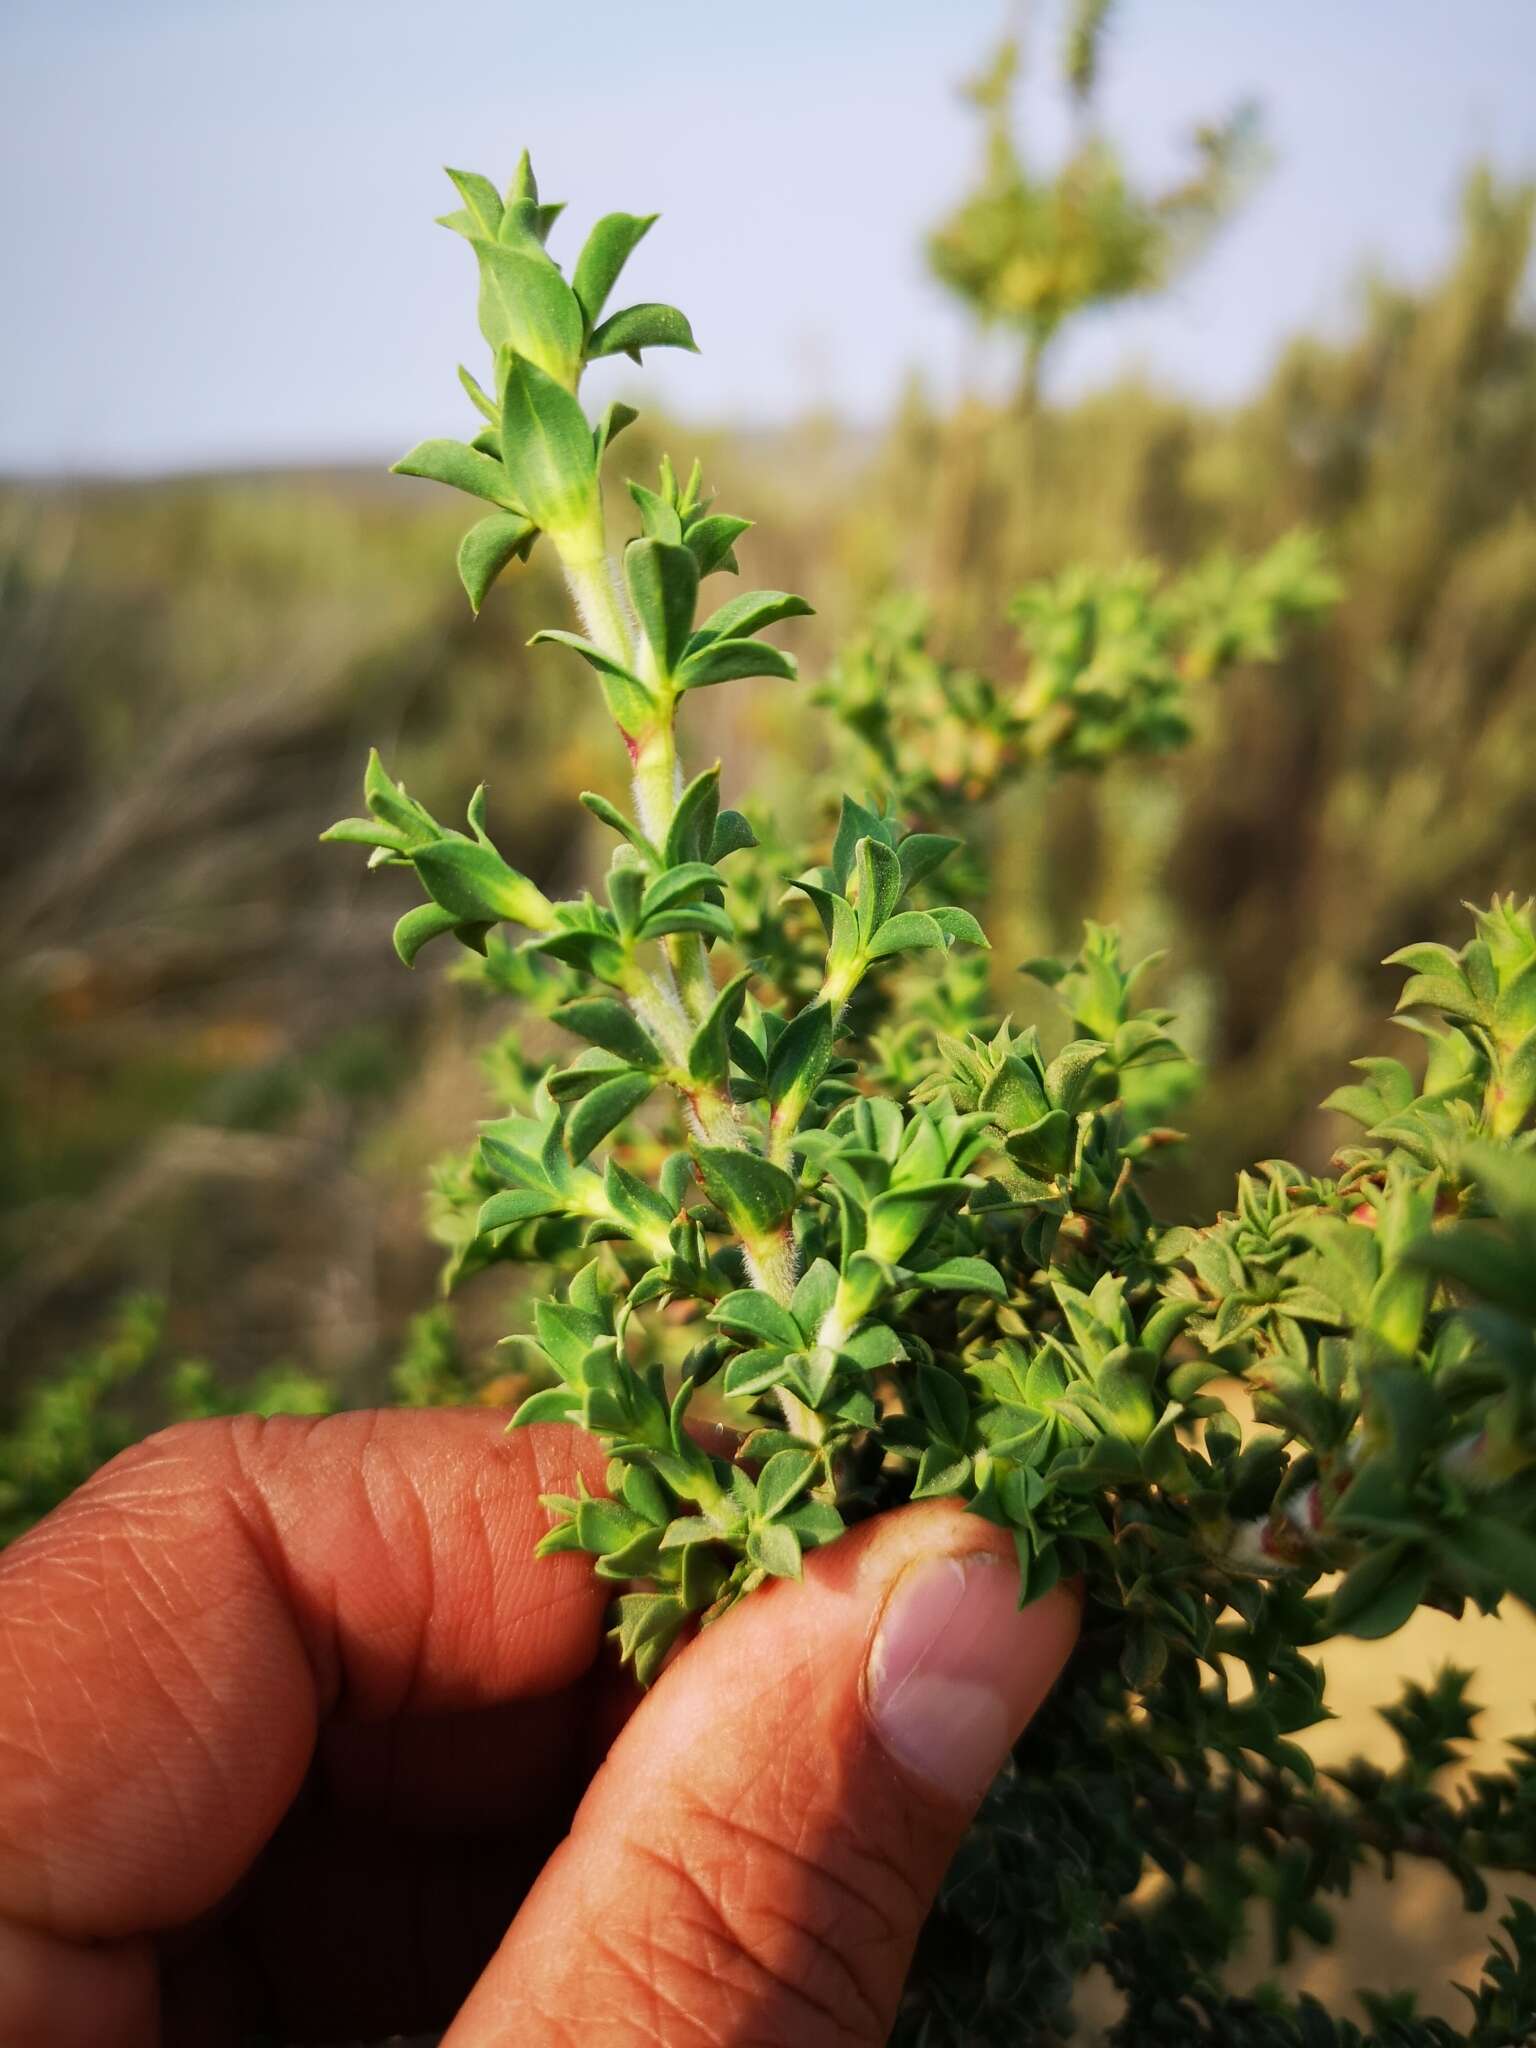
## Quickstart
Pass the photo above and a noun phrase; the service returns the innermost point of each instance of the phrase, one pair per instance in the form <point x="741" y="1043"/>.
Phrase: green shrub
<point x="105" y="1397"/>
<point x="801" y="1179"/>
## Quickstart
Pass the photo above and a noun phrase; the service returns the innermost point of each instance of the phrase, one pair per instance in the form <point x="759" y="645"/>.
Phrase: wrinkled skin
<point x="296" y="1732"/>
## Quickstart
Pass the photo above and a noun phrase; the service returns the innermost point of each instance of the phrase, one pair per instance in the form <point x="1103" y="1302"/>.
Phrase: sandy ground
<point x="1413" y="1933"/>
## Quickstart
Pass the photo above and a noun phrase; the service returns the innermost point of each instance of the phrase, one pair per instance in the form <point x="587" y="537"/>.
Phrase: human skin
<point x="296" y="1733"/>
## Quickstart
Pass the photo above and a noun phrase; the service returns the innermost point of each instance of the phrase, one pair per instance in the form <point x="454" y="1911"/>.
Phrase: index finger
<point x="172" y="1637"/>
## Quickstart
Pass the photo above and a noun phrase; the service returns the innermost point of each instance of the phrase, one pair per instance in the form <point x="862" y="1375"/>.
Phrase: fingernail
<point x="956" y="1669"/>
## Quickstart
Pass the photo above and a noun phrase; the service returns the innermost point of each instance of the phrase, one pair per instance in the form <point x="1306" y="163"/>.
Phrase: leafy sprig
<point x="801" y="1181"/>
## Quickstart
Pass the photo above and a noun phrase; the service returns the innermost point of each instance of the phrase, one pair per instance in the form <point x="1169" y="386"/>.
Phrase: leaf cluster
<point x="802" y="1186"/>
<point x="1029" y="247"/>
<point x="68" y="1424"/>
<point x="1115" y="666"/>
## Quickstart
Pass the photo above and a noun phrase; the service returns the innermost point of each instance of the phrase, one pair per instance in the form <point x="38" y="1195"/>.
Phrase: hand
<point x="296" y="1733"/>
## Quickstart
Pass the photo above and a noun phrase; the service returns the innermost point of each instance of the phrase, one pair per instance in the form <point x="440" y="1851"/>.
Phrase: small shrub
<point x="802" y="1178"/>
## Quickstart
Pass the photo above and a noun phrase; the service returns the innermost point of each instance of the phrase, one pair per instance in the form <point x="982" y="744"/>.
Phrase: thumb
<point x="755" y="1859"/>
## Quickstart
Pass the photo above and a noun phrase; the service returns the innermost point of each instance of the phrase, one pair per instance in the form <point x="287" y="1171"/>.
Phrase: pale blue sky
<point x="217" y="245"/>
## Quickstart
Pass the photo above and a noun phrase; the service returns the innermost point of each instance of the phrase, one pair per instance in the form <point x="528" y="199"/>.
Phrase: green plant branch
<point x="927" y="1241"/>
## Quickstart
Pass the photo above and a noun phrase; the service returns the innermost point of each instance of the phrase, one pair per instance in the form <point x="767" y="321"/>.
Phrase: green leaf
<point x="636" y="1559"/>
<point x="940" y="1472"/>
<point x="1497" y="1552"/>
<point x="741" y="617"/>
<point x="676" y="1180"/>
<point x="626" y="828"/>
<point x="800" y="1054"/>
<point x="641" y="1209"/>
<point x="966" y="1276"/>
<point x="1122" y="1393"/>
<point x="481" y="199"/>
<point x="685" y="883"/>
<point x="754" y="1372"/>
<point x="785" y="1474"/>
<point x="713" y="541"/>
<point x="776" y="1549"/>
<point x="1068" y="1075"/>
<point x="626" y="886"/>
<point x="546" y="447"/>
<point x="475" y="883"/>
<point x="658" y="516"/>
<point x="603" y="1525"/>
<point x="1163" y="1325"/>
<point x="944" y="1404"/>
<point x="959" y="926"/>
<point x="603" y="255"/>
<point x="663" y="583"/>
<point x="1144" y="1657"/>
<point x="515" y="1205"/>
<point x="709" y="1060"/>
<point x="1515" y="1011"/>
<point x="523" y="185"/>
<point x="732" y="834"/>
<point x="648" y="1625"/>
<point x="616" y="417"/>
<point x="757" y="1317"/>
<point x="1039" y="1568"/>
<point x="874" y="1346"/>
<point x="854" y="823"/>
<point x="593" y="655"/>
<point x="815" y="1522"/>
<point x="566" y="1334"/>
<point x="693" y="822"/>
<point x="898" y="1219"/>
<point x="641" y="1490"/>
<point x="1425" y="957"/>
<point x="607" y="1023"/>
<point x="638" y="327"/>
<point x="1015" y="1095"/>
<point x="549" y="1404"/>
<point x="585" y="1073"/>
<point x="814" y="1293"/>
<point x="753" y="1193"/>
<point x="709" y="918"/>
<point x="365" y="832"/>
<point x="483" y="404"/>
<point x="1378" y="1595"/>
<point x="880" y="885"/>
<point x="688" y="1530"/>
<point x="1516" y="1094"/>
<point x="1492" y="1270"/>
<point x="920" y="853"/>
<point x="460" y="466"/>
<point x="527" y="307"/>
<point x="1045" y="1146"/>
<point x="816" y="1370"/>
<point x="421" y="925"/>
<point x="909" y="932"/>
<point x="724" y="661"/>
<point x="488" y="547"/>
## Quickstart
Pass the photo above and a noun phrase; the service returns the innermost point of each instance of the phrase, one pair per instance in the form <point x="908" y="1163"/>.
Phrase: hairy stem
<point x="655" y="1002"/>
<point x="673" y="1004"/>
<point x="658" y="775"/>
<point x="594" y="588"/>
<point x="773" y="1264"/>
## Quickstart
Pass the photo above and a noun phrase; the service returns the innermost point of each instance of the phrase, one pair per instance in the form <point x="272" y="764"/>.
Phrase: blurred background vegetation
<point x="223" y="1087"/>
